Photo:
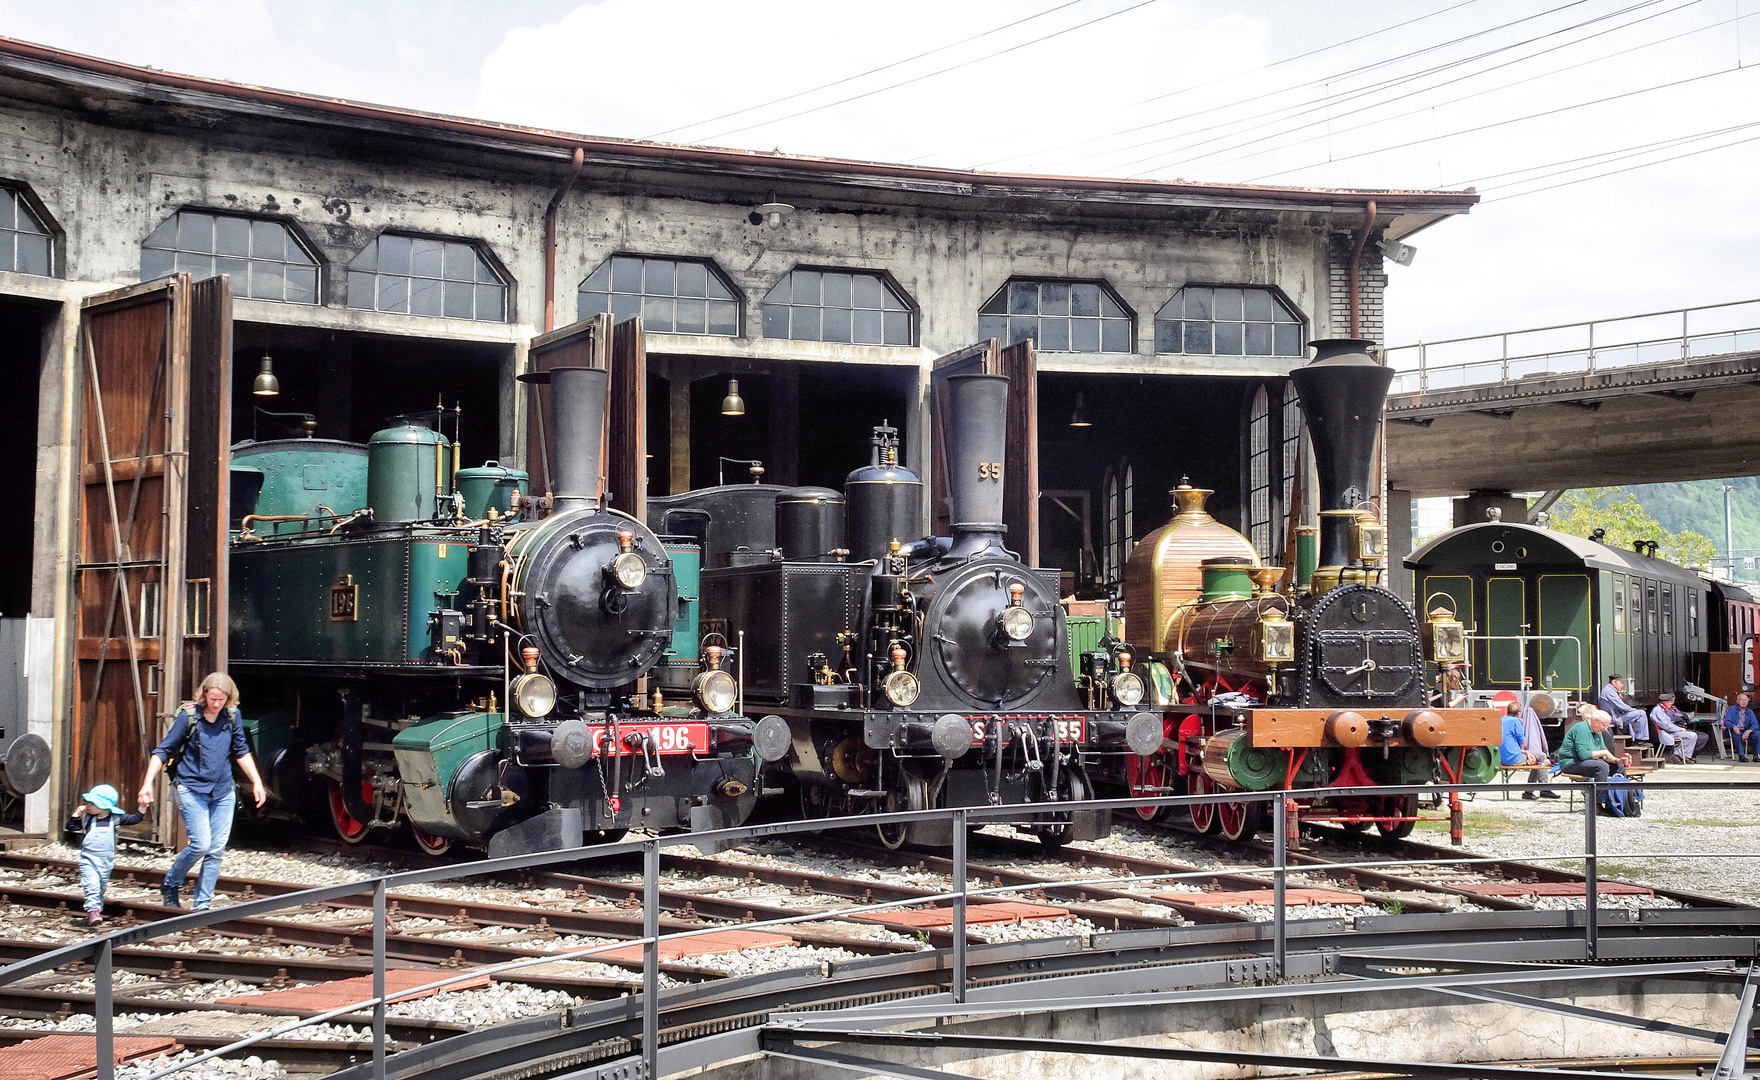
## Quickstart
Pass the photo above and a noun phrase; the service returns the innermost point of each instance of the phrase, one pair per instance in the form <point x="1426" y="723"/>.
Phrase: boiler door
<point x="976" y="657"/>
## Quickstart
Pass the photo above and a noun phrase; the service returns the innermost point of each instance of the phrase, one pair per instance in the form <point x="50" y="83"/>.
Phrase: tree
<point x="1582" y="511"/>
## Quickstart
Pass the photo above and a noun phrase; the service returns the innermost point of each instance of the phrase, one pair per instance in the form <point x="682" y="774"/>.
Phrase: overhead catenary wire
<point x="874" y="71"/>
<point x="1603" y="157"/>
<point x="1474" y="94"/>
<point x="1617" y="172"/>
<point x="932" y="74"/>
<point x="1332" y="117"/>
<point x="1228" y="78"/>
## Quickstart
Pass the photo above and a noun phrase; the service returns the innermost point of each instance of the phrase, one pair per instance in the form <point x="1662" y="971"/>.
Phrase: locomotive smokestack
<point x="576" y="426"/>
<point x="977" y="425"/>
<point x="1343" y="393"/>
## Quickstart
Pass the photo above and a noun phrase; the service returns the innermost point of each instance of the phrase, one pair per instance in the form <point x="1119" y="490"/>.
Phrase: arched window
<point x="1059" y="316"/>
<point x="673" y="296"/>
<point x="1292" y="446"/>
<point x="418" y="275"/>
<point x="837" y="305"/>
<point x="264" y="258"/>
<point x="1216" y="320"/>
<point x="25" y="244"/>
<point x="1114" y="522"/>
<point x="1259" y="473"/>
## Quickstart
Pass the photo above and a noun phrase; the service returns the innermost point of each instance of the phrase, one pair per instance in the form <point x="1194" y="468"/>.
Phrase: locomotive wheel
<point x="1145" y="777"/>
<point x="1240" y="820"/>
<point x="1203" y="814"/>
<point x="351" y="829"/>
<point x="428" y="842"/>
<point x="892" y="837"/>
<point x="1398" y="807"/>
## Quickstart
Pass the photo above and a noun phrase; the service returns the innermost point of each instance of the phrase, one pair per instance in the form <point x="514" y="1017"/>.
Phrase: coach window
<point x="26" y="245"/>
<point x="1619" y="605"/>
<point x="419" y="275"/>
<point x="1693" y="613"/>
<point x="1219" y="320"/>
<point x="1667" y="610"/>
<point x="672" y="296"/>
<point x="264" y="257"/>
<point x="1058" y="316"/>
<point x="1650" y="609"/>
<point x="854" y="306"/>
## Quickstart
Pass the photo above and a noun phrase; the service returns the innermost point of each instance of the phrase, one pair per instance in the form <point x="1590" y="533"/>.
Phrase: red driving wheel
<point x="1203" y="814"/>
<point x="1147" y="776"/>
<point x="350" y="828"/>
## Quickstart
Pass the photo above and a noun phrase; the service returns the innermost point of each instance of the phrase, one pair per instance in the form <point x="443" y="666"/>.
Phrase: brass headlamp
<point x="1368" y="541"/>
<point x="1277" y="638"/>
<point x="1445" y="640"/>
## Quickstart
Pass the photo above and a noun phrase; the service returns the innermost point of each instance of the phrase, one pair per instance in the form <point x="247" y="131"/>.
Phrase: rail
<point x="1654" y="337"/>
<point x="99" y="952"/>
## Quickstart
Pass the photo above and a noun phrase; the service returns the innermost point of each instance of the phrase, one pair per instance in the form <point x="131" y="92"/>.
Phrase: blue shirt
<point x="206" y="768"/>
<point x="1515" y="731"/>
<point x="1739" y="718"/>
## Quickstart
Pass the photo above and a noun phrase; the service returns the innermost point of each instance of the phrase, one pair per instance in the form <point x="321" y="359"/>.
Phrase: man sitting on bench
<point x="1584" y="751"/>
<point x="1515" y="749"/>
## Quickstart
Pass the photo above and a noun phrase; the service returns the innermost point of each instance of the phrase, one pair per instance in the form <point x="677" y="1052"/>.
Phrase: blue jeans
<point x="208" y="820"/>
<point x="97" y="855"/>
<point x="1744" y="740"/>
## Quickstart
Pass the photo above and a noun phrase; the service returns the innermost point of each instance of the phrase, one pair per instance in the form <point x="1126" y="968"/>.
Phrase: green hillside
<point x="1698" y="505"/>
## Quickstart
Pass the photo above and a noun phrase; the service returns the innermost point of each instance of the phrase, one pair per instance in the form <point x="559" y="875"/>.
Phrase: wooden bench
<point x="1634" y="773"/>
<point x="1504" y="772"/>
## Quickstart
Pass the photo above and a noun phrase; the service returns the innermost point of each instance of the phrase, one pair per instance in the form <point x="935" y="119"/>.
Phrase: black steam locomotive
<point x="912" y="672"/>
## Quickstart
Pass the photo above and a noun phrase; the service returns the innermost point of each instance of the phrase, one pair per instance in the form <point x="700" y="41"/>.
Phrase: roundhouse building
<point x="380" y="261"/>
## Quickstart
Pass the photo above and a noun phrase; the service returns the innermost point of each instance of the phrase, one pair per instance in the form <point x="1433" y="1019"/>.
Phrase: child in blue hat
<point x="96" y="821"/>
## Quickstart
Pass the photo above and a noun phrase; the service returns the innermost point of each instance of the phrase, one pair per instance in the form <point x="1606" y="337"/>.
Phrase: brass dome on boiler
<point x="1165" y="568"/>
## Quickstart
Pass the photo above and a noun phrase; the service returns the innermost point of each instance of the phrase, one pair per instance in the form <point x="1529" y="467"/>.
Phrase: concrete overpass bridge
<point x="1651" y="398"/>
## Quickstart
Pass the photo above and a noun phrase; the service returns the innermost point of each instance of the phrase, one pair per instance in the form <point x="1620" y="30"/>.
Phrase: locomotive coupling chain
<point x="649" y="745"/>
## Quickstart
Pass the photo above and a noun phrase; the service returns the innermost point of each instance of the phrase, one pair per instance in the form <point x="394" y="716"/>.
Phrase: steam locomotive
<point x="1326" y="686"/>
<point x="911" y="672"/>
<point x="441" y="657"/>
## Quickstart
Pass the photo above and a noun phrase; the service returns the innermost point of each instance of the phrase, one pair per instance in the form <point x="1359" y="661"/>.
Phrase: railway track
<point x="1086" y="894"/>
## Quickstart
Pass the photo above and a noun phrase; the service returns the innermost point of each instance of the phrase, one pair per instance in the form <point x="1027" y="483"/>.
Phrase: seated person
<point x="1625" y="718"/>
<point x="1743" y="728"/>
<point x="1673" y="732"/>
<point x="1515" y="748"/>
<point x="1584" y="750"/>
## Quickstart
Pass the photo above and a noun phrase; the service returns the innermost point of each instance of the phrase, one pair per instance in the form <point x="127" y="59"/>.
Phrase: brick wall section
<point x="1372" y="281"/>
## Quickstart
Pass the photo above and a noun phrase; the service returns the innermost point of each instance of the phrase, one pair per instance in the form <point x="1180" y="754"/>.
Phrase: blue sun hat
<point x="103" y="797"/>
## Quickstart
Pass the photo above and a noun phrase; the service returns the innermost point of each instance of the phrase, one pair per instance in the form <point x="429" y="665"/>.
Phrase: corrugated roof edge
<point x="563" y="144"/>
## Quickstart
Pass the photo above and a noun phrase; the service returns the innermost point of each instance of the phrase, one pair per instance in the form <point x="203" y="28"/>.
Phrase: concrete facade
<point x="110" y="152"/>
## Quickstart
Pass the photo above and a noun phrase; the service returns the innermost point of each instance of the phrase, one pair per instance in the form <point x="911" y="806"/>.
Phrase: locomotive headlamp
<point x="1369" y="542"/>
<point x="901" y="688"/>
<point x="715" y="691"/>
<point x="629" y="568"/>
<point x="1444" y="637"/>
<point x="1127" y="689"/>
<point x="1017" y="621"/>
<point x="1277" y="638"/>
<point x="534" y="695"/>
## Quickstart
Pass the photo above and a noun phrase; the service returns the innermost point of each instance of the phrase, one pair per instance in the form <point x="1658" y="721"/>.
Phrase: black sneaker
<point x="168" y="896"/>
<point x="1549" y="794"/>
<point x="1529" y="795"/>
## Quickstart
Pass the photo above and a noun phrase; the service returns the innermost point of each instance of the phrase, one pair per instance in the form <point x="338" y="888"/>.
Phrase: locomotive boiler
<point x="1305" y="687"/>
<point x="921" y="672"/>
<point x="473" y="678"/>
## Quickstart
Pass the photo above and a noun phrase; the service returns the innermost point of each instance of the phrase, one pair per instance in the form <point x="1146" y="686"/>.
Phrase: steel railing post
<point x="379" y="926"/>
<point x="1423" y="368"/>
<point x="1684" y="333"/>
<point x="959" y="906"/>
<point x="1279" y="856"/>
<point x="1505" y="359"/>
<point x="651" y="958"/>
<point x="102" y="1012"/>
<point x="1590" y="929"/>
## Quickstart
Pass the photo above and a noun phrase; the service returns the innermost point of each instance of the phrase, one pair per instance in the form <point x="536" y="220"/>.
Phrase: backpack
<point x="188" y="708"/>
<point x="1624" y="799"/>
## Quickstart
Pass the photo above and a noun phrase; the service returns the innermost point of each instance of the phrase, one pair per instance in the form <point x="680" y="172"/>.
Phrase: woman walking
<point x="198" y="752"/>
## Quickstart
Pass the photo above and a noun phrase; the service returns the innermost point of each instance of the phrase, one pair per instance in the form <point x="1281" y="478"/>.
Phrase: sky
<point x="1528" y="102"/>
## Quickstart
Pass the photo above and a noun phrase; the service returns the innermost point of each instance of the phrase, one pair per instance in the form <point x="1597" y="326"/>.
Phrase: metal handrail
<point x="101" y="950"/>
<point x="1590" y="353"/>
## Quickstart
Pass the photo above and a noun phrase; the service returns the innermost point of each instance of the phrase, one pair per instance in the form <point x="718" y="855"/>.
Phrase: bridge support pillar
<point x="1399" y="542"/>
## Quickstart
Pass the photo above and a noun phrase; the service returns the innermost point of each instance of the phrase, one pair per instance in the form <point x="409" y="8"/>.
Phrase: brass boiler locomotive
<point x="1324" y="685"/>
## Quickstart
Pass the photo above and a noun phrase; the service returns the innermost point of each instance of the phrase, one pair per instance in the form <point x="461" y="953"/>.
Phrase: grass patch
<point x="1485" y="823"/>
<point x="1607" y="869"/>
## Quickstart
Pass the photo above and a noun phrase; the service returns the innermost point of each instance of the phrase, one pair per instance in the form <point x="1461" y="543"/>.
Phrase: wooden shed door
<point x="1020" y="498"/>
<point x="150" y="574"/>
<point x="623" y="458"/>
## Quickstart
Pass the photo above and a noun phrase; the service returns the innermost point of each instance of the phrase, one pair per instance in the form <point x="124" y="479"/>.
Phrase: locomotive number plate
<point x="344" y="599"/>
<point x="1070" y="729"/>
<point x="671" y="738"/>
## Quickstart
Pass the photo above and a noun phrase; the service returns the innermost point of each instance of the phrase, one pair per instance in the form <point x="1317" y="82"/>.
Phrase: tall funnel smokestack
<point x="977" y="425"/>
<point x="576" y="426"/>
<point x="1343" y="394"/>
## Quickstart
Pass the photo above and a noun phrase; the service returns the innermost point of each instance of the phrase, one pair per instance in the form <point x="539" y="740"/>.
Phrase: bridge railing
<point x="1656" y="337"/>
